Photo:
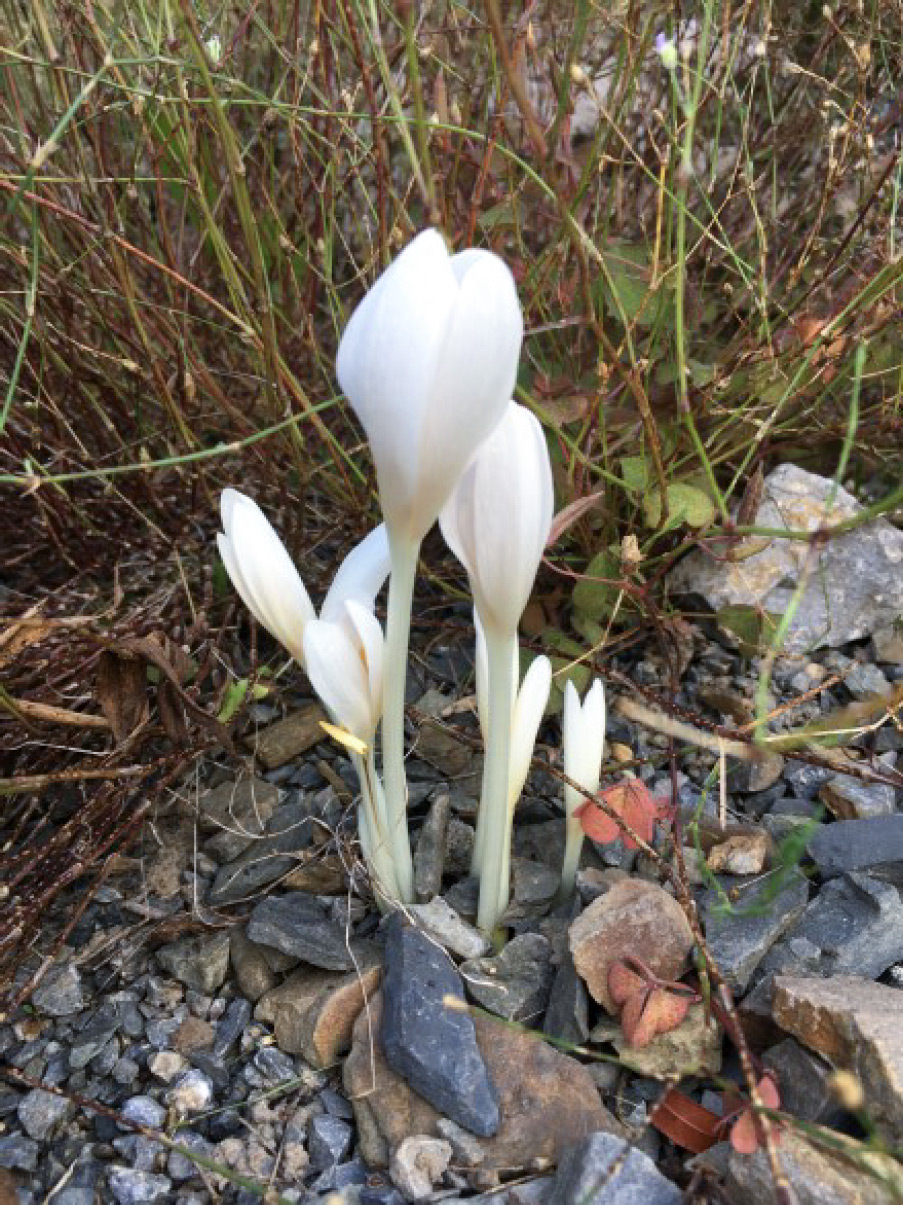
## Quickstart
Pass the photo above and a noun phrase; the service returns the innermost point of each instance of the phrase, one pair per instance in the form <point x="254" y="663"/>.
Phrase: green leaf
<point x="563" y="667"/>
<point x="636" y="473"/>
<point x="236" y="693"/>
<point x="595" y="599"/>
<point x="627" y="285"/>
<point x="752" y="626"/>
<point x="686" y="504"/>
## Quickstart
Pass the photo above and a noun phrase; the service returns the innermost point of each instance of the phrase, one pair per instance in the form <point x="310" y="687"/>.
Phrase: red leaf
<point x="659" y="1011"/>
<point x="768" y="1092"/>
<point x="632" y="801"/>
<point x="687" y="1123"/>
<point x="623" y="983"/>
<point x="745" y="1134"/>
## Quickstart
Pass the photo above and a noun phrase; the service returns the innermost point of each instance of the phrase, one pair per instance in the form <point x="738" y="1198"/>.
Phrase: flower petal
<point x="262" y="571"/>
<point x="528" y="712"/>
<point x="361" y="575"/>
<point x="339" y="676"/>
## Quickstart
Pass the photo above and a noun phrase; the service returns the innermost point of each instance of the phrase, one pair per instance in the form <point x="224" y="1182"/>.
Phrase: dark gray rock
<point x="130" y="1187"/>
<point x="231" y="1026"/>
<point x="864" y="679"/>
<point x="199" y="962"/>
<point x="18" y="1153"/>
<point x="267" y="858"/>
<point x="41" y="1113"/>
<point x="431" y="1045"/>
<point x="328" y="1141"/>
<point x="804" y="1082"/>
<point x="429" y="855"/>
<point x="850" y="798"/>
<point x="181" y="1166"/>
<point x="875" y="845"/>
<point x="740" y="941"/>
<point x="60" y="992"/>
<point x="533" y="889"/>
<point x="854" y="926"/>
<point x="516" y="983"/>
<point x="567" y="1014"/>
<point x="140" y="1152"/>
<point x="96" y="1034"/>
<point x="300" y="925"/>
<point x="605" y="1170"/>
<point x="336" y="1104"/>
<point x="805" y="780"/>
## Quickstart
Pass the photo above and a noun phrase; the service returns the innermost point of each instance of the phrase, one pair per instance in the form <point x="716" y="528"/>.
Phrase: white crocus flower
<point x="428" y="362"/>
<point x="583" y="733"/>
<point x="497" y="523"/>
<point x="270" y="586"/>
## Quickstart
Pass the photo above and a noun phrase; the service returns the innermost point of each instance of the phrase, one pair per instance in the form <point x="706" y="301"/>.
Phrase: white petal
<point x="583" y="730"/>
<point x="361" y="575"/>
<point x="498" y="518"/>
<point x="386" y="363"/>
<point x="371" y="647"/>
<point x="528" y="712"/>
<point x="263" y="573"/>
<point x="339" y="676"/>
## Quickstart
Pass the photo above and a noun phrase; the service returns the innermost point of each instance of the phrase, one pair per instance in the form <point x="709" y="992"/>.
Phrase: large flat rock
<point x="854" y="589"/>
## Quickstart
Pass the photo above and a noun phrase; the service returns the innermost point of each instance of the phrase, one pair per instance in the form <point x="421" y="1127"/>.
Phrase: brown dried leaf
<point x="569" y="515"/>
<point x="633" y="802"/>
<point x="687" y="1123"/>
<point x="121" y="690"/>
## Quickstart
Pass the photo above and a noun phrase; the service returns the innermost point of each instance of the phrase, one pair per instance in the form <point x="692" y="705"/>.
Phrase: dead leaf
<point x="633" y="802"/>
<point x="568" y="516"/>
<point x="121" y="690"/>
<point x="746" y="1132"/>
<point x="686" y="1122"/>
<point x="649" y="1013"/>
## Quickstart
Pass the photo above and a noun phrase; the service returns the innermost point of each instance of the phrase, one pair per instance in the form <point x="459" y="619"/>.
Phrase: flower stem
<point x="573" y="844"/>
<point x="372" y="832"/>
<point x="398" y="631"/>
<point x="497" y="824"/>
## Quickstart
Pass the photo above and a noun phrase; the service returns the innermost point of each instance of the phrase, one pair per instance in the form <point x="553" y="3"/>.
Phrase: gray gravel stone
<point x="139" y="1151"/>
<point x="875" y="845"/>
<point x="131" y="1187"/>
<point x="740" y="942"/>
<point x="231" y="1026"/>
<point x="418" y="1164"/>
<point x="298" y="924"/>
<point x="850" y="798"/>
<point x="181" y="1167"/>
<point x="804" y="1081"/>
<point x="605" y="1170"/>
<point x="198" y="962"/>
<point x="267" y="858"/>
<point x="516" y="984"/>
<point x="18" y="1152"/>
<point x="567" y="1014"/>
<point x="328" y="1141"/>
<point x="429" y="855"/>
<point x="95" y="1035"/>
<point x="865" y="679"/>
<point x="60" y="993"/>
<point x="430" y="1045"/>
<point x="41" y="1112"/>
<point x="145" y="1111"/>
<point x="440" y="921"/>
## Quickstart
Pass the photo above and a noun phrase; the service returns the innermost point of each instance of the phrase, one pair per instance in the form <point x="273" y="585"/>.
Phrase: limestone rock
<point x="855" y="1024"/>
<point x="634" y="917"/>
<point x="818" y="1175"/>
<point x="547" y="1101"/>
<point x="857" y="584"/>
<point x="280" y="742"/>
<point x="694" y="1048"/>
<point x="314" y="1011"/>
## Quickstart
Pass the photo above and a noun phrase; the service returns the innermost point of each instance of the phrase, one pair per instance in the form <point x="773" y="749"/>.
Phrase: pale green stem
<point x="500" y="648"/>
<point x="479" y="841"/>
<point x="398" y="630"/>
<point x="372" y="834"/>
<point x="573" y="844"/>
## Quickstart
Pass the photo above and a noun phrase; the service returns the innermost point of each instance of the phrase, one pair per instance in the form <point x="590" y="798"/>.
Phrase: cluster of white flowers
<point x="428" y="362"/>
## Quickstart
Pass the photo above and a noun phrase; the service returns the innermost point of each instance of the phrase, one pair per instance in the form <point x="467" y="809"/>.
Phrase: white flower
<point x="583" y="730"/>
<point x="270" y="586"/>
<point x="497" y="520"/>
<point x="428" y="362"/>
<point x="344" y="661"/>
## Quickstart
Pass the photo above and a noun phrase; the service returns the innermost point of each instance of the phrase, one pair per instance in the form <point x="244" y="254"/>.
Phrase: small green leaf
<point x="592" y="598"/>
<point x="752" y="626"/>
<point x="236" y="693"/>
<point x="636" y="473"/>
<point x="686" y="504"/>
<point x="563" y="667"/>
